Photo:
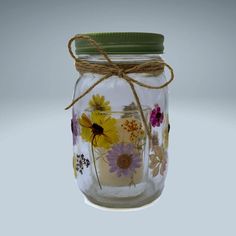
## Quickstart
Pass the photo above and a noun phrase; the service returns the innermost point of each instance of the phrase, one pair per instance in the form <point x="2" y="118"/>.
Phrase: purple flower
<point x="74" y="127"/>
<point x="157" y="116"/>
<point x="123" y="159"/>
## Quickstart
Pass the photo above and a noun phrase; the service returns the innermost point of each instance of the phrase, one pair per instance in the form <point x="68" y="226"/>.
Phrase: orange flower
<point x="134" y="128"/>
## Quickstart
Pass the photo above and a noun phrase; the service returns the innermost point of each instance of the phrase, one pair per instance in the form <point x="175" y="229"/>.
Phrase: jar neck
<point x="121" y="58"/>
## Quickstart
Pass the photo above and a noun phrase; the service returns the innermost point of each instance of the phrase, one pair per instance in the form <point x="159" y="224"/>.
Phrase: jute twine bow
<point x="120" y="70"/>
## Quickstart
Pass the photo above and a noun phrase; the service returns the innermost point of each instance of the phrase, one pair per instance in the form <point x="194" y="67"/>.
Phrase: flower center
<point x="98" y="107"/>
<point x="168" y="128"/>
<point x="124" y="161"/>
<point x="97" y="129"/>
<point x="72" y="126"/>
<point x="158" y="115"/>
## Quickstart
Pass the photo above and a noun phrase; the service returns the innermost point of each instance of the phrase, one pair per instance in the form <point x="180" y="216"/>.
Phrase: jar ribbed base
<point x="126" y="202"/>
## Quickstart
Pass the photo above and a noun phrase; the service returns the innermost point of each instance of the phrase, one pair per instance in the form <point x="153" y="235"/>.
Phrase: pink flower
<point x="156" y="117"/>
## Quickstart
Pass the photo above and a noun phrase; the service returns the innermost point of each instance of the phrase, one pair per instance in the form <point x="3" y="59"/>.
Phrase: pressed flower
<point x="98" y="103"/>
<point x="154" y="139"/>
<point x="100" y="130"/>
<point x="123" y="159"/>
<point x="79" y="162"/>
<point x="74" y="127"/>
<point x="134" y="128"/>
<point x="158" y="161"/>
<point x="165" y="134"/>
<point x="157" y="116"/>
<point x="131" y="110"/>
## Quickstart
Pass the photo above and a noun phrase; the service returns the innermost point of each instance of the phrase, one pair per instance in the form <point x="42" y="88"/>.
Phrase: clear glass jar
<point x="116" y="164"/>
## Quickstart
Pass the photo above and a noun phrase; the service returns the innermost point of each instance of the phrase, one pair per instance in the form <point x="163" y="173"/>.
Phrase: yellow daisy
<point x="98" y="103"/>
<point x="100" y="130"/>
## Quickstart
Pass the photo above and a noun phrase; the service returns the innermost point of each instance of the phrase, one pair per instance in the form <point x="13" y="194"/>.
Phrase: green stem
<point x="94" y="163"/>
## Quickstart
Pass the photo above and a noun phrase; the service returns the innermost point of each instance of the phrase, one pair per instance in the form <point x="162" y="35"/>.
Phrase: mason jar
<point x="120" y="152"/>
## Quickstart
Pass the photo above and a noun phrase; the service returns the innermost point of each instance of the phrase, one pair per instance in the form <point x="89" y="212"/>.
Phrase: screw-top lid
<point x="122" y="43"/>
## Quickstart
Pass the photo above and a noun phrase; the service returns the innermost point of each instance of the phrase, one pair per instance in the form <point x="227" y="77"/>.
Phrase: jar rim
<point x="120" y="58"/>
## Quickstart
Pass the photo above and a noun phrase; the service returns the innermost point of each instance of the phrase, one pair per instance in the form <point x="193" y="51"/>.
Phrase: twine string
<point x="120" y="70"/>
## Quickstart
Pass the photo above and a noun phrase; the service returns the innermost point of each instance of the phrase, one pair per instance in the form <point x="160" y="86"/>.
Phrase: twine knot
<point x="121" y="71"/>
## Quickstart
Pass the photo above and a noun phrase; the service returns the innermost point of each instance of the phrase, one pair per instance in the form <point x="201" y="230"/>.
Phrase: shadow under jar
<point x="116" y="163"/>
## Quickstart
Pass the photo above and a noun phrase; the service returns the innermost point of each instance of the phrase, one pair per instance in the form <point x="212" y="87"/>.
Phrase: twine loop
<point x="120" y="70"/>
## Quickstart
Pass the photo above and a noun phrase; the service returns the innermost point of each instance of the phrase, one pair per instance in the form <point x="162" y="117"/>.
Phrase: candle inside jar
<point x="122" y="163"/>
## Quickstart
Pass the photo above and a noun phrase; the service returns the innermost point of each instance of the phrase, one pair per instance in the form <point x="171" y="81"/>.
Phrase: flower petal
<point x="155" y="171"/>
<point x="84" y="121"/>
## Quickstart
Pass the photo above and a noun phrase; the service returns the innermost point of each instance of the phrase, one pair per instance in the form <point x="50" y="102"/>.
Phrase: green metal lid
<point x="122" y="43"/>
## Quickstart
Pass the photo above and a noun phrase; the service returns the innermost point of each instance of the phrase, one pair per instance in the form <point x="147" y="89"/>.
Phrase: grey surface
<point x="38" y="195"/>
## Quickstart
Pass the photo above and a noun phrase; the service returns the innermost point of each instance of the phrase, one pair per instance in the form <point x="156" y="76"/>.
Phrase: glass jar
<point x="116" y="163"/>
